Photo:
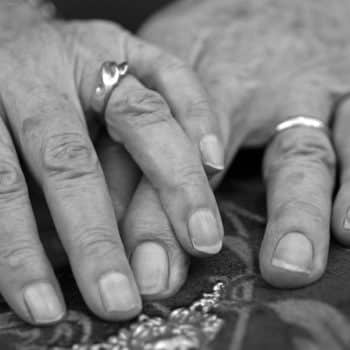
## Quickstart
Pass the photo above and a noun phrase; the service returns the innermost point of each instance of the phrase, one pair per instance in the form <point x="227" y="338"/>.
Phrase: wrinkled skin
<point x="89" y="162"/>
<point x="262" y="62"/>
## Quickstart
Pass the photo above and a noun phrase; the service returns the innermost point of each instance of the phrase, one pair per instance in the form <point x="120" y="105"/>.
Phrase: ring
<point x="304" y="121"/>
<point x="110" y="75"/>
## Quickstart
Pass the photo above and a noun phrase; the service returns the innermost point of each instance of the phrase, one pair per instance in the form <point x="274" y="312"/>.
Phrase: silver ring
<point x="110" y="75"/>
<point x="302" y="121"/>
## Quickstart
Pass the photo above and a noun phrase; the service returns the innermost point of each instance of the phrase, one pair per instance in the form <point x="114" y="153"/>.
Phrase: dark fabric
<point x="256" y="316"/>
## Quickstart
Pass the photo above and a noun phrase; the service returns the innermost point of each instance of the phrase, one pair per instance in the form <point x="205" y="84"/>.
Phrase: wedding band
<point x="110" y="75"/>
<point x="302" y="121"/>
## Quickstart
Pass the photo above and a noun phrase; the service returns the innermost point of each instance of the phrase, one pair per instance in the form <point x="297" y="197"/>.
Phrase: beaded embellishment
<point x="190" y="328"/>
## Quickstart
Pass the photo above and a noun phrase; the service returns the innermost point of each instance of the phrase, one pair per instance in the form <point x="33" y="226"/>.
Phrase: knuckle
<point x="18" y="254"/>
<point x="199" y="108"/>
<point x="138" y="229"/>
<point x="139" y="225"/>
<point x="307" y="208"/>
<point x="148" y="99"/>
<point x="313" y="149"/>
<point x="188" y="176"/>
<point x="96" y="243"/>
<point x="69" y="155"/>
<point x="142" y="108"/>
<point x="12" y="183"/>
<point x="167" y="63"/>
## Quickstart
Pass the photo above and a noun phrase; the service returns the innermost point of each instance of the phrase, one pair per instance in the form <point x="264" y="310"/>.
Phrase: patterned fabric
<point x="255" y="316"/>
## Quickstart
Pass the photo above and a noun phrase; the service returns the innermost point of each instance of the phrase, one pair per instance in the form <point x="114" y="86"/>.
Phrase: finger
<point x="341" y="209"/>
<point x="27" y="281"/>
<point x="159" y="263"/>
<point x="54" y="140"/>
<point x="141" y="120"/>
<point x="121" y="173"/>
<point x="188" y="101"/>
<point x="299" y="170"/>
<point x="228" y="99"/>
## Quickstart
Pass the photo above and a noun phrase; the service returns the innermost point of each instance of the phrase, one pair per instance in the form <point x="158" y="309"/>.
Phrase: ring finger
<point x="299" y="170"/>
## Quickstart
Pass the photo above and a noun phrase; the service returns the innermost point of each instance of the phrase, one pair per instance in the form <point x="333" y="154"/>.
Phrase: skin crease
<point x="260" y="62"/>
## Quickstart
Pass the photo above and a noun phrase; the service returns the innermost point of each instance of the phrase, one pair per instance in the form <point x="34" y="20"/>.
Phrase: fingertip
<point x="159" y="263"/>
<point x="117" y="297"/>
<point x="285" y="278"/>
<point x="43" y="303"/>
<point x="150" y="264"/>
<point x="160" y="269"/>
<point x="213" y="155"/>
<point x="205" y="232"/>
<point x="292" y="263"/>
<point x="294" y="252"/>
<point x="38" y="302"/>
<point x="341" y="216"/>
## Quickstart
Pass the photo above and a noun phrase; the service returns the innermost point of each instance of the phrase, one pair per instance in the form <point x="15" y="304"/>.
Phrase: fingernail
<point x="43" y="303"/>
<point x="151" y="265"/>
<point x="347" y="220"/>
<point x="212" y="152"/>
<point x="205" y="232"/>
<point x="294" y="252"/>
<point x="117" y="293"/>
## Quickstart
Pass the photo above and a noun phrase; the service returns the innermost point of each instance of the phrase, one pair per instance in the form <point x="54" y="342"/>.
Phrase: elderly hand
<point x="263" y="62"/>
<point x="48" y="78"/>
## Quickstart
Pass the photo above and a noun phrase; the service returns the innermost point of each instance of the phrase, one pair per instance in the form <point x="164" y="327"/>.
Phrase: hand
<point x="261" y="62"/>
<point x="48" y="77"/>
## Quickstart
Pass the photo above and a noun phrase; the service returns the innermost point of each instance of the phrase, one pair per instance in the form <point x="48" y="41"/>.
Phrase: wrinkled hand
<point x="262" y="62"/>
<point x="48" y="75"/>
